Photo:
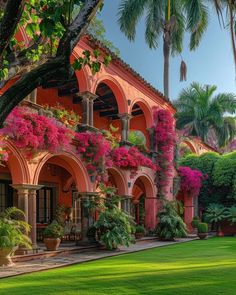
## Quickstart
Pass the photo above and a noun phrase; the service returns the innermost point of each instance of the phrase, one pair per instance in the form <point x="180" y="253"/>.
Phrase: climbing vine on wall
<point x="164" y="140"/>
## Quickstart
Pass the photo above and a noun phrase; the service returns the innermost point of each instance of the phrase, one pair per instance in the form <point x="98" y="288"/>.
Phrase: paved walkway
<point x="59" y="261"/>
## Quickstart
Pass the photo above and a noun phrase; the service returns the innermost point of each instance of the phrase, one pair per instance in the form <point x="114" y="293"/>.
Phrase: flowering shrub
<point x="33" y="132"/>
<point x="164" y="142"/>
<point x="191" y="180"/>
<point x="130" y="159"/>
<point x="3" y="151"/>
<point x="67" y="117"/>
<point x="94" y="149"/>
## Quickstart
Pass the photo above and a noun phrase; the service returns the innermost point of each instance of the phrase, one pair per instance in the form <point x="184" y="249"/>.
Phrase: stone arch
<point x="116" y="88"/>
<point x="146" y="190"/>
<point x="120" y="181"/>
<point x="17" y="165"/>
<point x="147" y="111"/>
<point x="72" y="164"/>
<point x="190" y="144"/>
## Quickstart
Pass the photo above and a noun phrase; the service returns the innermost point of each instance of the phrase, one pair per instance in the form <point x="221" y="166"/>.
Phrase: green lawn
<point x="198" y="267"/>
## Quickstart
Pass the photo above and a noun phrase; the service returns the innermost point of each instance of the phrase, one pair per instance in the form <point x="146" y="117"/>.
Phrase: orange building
<point x="117" y="95"/>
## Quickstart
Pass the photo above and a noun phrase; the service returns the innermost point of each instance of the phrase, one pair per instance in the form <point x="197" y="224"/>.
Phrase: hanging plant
<point x="33" y="132"/>
<point x="3" y="151"/>
<point x="130" y="159"/>
<point x="67" y="117"/>
<point x="94" y="150"/>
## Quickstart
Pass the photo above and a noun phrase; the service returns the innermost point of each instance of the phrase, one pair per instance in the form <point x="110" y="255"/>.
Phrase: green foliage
<point x="215" y="213"/>
<point x="13" y="229"/>
<point x="140" y="229"/>
<point x="137" y="139"/>
<point x="170" y="225"/>
<point x="110" y="135"/>
<point x="114" y="226"/>
<point x="202" y="228"/>
<point x="199" y="112"/>
<point x="53" y="230"/>
<point x="195" y="221"/>
<point x="225" y="173"/>
<point x="231" y="214"/>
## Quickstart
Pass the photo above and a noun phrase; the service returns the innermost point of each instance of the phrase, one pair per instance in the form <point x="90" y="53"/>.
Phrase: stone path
<point x="54" y="262"/>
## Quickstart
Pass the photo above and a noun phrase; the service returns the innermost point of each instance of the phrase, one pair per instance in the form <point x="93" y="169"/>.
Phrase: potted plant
<point x="139" y="231"/>
<point x="13" y="233"/>
<point x="202" y="230"/>
<point x="195" y="223"/>
<point x="215" y="214"/>
<point x="52" y="236"/>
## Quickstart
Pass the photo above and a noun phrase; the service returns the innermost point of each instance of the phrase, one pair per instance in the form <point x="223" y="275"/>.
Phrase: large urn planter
<point x="52" y="236"/>
<point x="52" y="244"/>
<point x="5" y="256"/>
<point x="139" y="232"/>
<point x="202" y="236"/>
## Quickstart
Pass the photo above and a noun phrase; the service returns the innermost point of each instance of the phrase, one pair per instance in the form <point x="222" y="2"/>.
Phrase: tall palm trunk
<point x="232" y="32"/>
<point x="166" y="53"/>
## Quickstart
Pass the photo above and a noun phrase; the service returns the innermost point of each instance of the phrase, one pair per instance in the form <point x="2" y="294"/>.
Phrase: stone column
<point x="125" y="122"/>
<point x="188" y="212"/>
<point x="126" y="204"/>
<point x="22" y="196"/>
<point x="87" y="219"/>
<point x="87" y="106"/>
<point x="151" y="137"/>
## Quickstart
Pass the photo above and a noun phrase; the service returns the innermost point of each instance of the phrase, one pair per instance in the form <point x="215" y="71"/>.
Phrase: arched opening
<point x="144" y="202"/>
<point x="140" y="122"/>
<point x="62" y="177"/>
<point x="116" y="179"/>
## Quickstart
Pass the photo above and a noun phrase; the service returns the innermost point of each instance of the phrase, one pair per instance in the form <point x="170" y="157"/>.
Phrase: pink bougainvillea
<point x="130" y="159"/>
<point x="95" y="150"/>
<point x="33" y="132"/>
<point x="191" y="180"/>
<point x="164" y="139"/>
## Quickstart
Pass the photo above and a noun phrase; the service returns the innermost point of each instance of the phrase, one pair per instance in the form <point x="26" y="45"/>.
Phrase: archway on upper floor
<point x="109" y="104"/>
<point x="144" y="202"/>
<point x="140" y="122"/>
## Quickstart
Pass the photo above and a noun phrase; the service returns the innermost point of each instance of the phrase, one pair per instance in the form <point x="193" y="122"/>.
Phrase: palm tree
<point x="201" y="113"/>
<point x="226" y="11"/>
<point x="169" y="19"/>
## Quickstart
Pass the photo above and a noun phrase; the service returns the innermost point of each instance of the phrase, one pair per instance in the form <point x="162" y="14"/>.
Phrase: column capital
<point x="127" y="197"/>
<point x="28" y="187"/>
<point x="87" y="95"/>
<point x="87" y="194"/>
<point x="125" y="116"/>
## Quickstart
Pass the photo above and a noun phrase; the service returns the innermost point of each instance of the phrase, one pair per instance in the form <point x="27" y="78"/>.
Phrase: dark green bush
<point x="140" y="229"/>
<point x="202" y="227"/>
<point x="195" y="221"/>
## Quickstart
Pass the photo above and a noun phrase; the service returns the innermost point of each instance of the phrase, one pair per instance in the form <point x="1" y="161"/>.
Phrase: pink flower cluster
<point x="191" y="180"/>
<point x="95" y="150"/>
<point x="130" y="158"/>
<point x="164" y="144"/>
<point x="33" y="132"/>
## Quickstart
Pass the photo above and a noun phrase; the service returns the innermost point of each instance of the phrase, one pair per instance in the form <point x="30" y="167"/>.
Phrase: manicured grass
<point x="198" y="267"/>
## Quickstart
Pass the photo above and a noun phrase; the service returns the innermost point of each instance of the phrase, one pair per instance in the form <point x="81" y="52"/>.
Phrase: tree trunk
<point x="232" y="33"/>
<point x="54" y="68"/>
<point x="166" y="53"/>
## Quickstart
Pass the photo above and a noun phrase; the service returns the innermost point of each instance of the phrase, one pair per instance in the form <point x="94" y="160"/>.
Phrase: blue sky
<point x="212" y="63"/>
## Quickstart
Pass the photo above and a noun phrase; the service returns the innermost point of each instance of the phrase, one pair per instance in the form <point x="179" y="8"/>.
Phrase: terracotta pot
<point x="202" y="236"/>
<point x="139" y="235"/>
<point x="5" y="256"/>
<point x="52" y="244"/>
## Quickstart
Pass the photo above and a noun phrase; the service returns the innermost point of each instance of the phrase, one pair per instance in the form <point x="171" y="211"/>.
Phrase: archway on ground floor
<point x="14" y="172"/>
<point x="63" y="177"/>
<point x="144" y="202"/>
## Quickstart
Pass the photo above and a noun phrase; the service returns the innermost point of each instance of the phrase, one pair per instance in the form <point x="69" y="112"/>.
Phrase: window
<point x="6" y="195"/>
<point x="45" y="205"/>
